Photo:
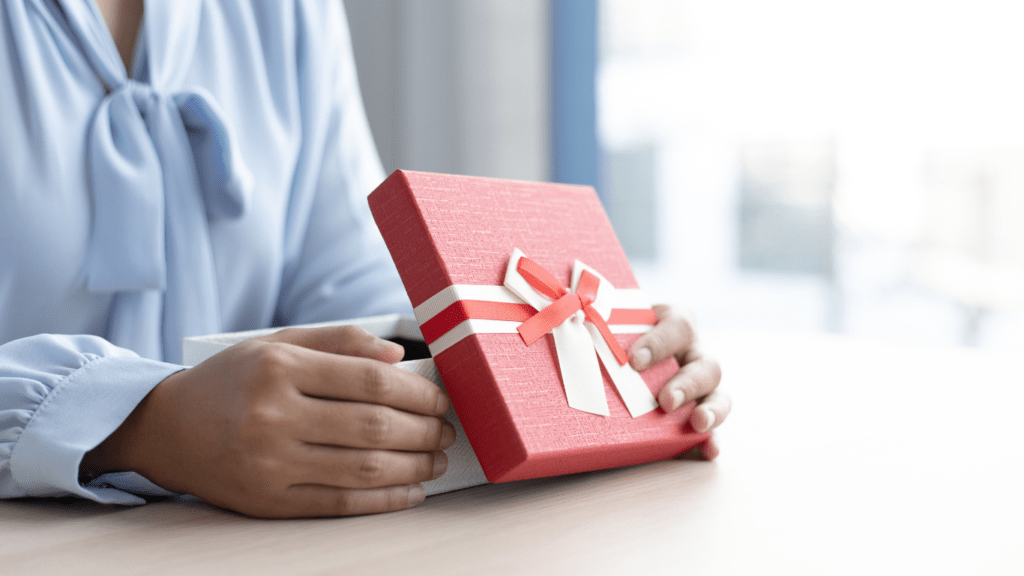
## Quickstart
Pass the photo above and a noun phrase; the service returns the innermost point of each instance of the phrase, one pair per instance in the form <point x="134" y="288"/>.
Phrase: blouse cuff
<point x="76" y="416"/>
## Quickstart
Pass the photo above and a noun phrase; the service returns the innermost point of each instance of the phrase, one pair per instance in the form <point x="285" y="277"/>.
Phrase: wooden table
<point x="840" y="457"/>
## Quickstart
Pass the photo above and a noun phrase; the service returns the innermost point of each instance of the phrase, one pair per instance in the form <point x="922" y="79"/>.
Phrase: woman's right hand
<point x="304" y="422"/>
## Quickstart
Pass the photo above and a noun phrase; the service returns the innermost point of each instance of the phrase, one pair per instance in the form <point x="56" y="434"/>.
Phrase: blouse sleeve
<point x="60" y="396"/>
<point x="337" y="265"/>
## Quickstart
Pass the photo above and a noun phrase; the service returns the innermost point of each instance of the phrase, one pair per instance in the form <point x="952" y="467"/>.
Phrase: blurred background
<point x="795" y="165"/>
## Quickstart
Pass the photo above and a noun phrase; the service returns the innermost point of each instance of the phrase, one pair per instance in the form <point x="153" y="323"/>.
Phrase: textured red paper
<point x="444" y="230"/>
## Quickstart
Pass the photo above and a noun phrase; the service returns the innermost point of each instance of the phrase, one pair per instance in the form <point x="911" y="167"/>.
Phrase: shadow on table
<point x="67" y="508"/>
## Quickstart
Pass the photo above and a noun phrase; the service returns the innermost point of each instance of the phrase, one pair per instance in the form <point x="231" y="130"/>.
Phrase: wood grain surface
<point x="841" y="457"/>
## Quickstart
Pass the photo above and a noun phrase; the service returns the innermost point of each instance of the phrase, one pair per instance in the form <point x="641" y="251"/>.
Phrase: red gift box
<point x="452" y="239"/>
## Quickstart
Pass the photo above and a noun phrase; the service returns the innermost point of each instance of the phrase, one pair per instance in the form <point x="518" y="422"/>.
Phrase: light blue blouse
<point x="220" y="186"/>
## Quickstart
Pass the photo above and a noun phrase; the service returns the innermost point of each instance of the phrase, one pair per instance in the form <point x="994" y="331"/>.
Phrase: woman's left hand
<point x="698" y="379"/>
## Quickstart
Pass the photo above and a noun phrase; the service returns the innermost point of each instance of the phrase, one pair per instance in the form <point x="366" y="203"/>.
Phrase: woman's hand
<point x="697" y="379"/>
<point x="304" y="422"/>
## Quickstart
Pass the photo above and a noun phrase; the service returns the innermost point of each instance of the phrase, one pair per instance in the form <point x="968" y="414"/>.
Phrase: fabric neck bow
<point x="153" y="157"/>
<point x="577" y="318"/>
<point x="162" y="166"/>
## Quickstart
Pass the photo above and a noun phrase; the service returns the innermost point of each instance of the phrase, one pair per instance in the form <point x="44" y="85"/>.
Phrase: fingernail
<point x="416" y="495"/>
<point x="710" y="417"/>
<point x="440" y="465"/>
<point x="442" y="404"/>
<point x="641" y="358"/>
<point x="447" y="435"/>
<point x="678" y="397"/>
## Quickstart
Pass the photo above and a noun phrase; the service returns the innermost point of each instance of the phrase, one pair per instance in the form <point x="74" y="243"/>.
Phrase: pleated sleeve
<point x="61" y="396"/>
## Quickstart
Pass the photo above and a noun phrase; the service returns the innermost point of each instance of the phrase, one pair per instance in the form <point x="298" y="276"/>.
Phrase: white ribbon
<point x="576" y="339"/>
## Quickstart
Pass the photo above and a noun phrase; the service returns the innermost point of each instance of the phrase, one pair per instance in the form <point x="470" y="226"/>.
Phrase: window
<point x="853" y="167"/>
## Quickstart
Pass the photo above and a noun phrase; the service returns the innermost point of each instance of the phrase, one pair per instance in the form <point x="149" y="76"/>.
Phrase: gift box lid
<point x="452" y="239"/>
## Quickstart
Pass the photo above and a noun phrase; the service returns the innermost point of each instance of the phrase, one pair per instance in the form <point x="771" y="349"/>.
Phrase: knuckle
<point x="344" y="503"/>
<point x="264" y="417"/>
<point x="657" y="342"/>
<point x="263" y="472"/>
<point x="679" y="319"/>
<point x="272" y="360"/>
<point x="371" y="468"/>
<point x="690" y="388"/>
<point x="673" y="336"/>
<point x="708" y="375"/>
<point x="377" y="381"/>
<point x="377" y="426"/>
<point x="351" y="333"/>
<point x="701" y="379"/>
<point x="683" y="329"/>
<point x="267" y="468"/>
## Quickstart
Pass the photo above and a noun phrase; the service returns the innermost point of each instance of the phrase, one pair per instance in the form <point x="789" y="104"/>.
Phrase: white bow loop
<point x="576" y="341"/>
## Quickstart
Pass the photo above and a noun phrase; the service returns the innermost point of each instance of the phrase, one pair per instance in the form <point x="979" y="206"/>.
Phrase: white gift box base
<point x="463" y="468"/>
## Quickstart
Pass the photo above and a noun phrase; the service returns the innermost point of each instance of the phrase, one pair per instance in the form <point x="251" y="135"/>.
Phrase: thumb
<point x="344" y="340"/>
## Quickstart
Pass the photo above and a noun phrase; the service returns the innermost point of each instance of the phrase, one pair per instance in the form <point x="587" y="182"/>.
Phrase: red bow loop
<point x="541" y="280"/>
<point x="564" y="306"/>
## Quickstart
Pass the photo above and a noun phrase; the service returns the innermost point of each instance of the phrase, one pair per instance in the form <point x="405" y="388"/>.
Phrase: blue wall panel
<point x="574" y="98"/>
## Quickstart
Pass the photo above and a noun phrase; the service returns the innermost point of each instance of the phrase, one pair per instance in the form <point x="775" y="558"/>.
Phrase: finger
<point x="711" y="412"/>
<point x="709" y="449"/>
<point x="363" y="380"/>
<point x="671" y="336"/>
<point x="696" y="379"/>
<point x="344" y="340"/>
<point x="360" y="425"/>
<point x="353" y="468"/>
<point x="311" y="500"/>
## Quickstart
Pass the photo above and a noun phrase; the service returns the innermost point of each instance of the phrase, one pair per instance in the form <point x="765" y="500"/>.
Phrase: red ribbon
<point x="463" y="310"/>
<point x="564" y="305"/>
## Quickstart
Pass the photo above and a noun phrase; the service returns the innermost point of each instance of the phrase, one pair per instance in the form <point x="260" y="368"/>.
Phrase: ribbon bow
<point x="577" y="318"/>
<point x="144" y="146"/>
<point x="156" y="154"/>
<point x="565" y="305"/>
